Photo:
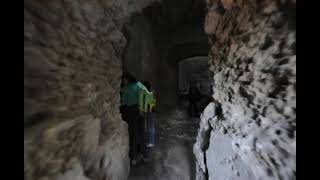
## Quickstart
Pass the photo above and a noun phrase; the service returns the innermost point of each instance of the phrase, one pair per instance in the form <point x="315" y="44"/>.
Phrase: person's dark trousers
<point x="134" y="122"/>
<point x="127" y="117"/>
<point x="124" y="113"/>
<point x="142" y="135"/>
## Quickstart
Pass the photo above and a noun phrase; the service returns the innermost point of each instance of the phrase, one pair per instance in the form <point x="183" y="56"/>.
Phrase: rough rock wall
<point x="249" y="131"/>
<point x="72" y="69"/>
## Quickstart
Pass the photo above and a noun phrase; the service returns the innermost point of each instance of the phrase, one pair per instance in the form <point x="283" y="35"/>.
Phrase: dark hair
<point x="129" y="77"/>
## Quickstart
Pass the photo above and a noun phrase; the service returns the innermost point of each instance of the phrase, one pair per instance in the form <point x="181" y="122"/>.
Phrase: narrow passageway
<point x="172" y="157"/>
<point x="237" y="58"/>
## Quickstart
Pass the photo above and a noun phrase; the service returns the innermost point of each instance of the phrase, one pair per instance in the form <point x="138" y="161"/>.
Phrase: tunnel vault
<point x="74" y="53"/>
<point x="183" y="51"/>
<point x="158" y="38"/>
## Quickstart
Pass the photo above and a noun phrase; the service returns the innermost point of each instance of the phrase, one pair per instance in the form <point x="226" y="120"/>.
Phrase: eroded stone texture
<point x="253" y="57"/>
<point x="72" y="69"/>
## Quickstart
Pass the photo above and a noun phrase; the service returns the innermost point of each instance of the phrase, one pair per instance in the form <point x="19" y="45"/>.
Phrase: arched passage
<point x="177" y="53"/>
<point x="76" y="51"/>
<point x="195" y="69"/>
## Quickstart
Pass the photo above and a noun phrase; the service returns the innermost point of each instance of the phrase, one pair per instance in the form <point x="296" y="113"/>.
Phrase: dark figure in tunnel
<point x="193" y="96"/>
<point x="131" y="114"/>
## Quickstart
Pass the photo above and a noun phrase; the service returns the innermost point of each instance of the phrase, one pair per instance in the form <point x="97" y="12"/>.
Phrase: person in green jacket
<point x="131" y="114"/>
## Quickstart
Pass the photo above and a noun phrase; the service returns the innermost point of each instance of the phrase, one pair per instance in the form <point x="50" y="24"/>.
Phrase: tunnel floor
<point x="172" y="157"/>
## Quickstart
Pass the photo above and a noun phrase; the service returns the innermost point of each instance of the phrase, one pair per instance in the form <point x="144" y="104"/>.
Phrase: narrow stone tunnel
<point x="242" y="52"/>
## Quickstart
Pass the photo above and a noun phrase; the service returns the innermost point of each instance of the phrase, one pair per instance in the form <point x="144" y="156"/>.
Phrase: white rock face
<point x="223" y="161"/>
<point x="250" y="128"/>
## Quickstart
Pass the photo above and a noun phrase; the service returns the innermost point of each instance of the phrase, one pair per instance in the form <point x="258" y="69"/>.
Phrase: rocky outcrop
<point x="72" y="69"/>
<point x="249" y="131"/>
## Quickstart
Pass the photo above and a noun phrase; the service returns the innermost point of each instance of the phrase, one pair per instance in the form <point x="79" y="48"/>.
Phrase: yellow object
<point x="147" y="101"/>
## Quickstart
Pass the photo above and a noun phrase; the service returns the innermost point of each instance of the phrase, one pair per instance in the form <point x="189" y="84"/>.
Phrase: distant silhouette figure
<point x="193" y="96"/>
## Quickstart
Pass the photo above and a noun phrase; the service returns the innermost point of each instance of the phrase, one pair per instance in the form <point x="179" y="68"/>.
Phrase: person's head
<point x="129" y="78"/>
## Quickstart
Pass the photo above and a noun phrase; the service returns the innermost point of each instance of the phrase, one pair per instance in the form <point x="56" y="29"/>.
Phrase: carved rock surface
<point x="72" y="69"/>
<point x="249" y="131"/>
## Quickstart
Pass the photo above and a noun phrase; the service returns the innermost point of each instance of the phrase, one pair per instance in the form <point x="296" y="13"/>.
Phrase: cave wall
<point x="141" y="55"/>
<point x="168" y="82"/>
<point x="249" y="130"/>
<point x="72" y="69"/>
<point x="145" y="56"/>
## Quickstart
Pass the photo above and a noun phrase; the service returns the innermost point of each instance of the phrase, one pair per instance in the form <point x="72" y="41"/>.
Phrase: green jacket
<point x="130" y="94"/>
